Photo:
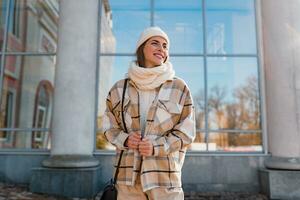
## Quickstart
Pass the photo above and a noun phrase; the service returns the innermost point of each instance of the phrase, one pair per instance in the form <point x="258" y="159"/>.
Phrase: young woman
<point x="159" y="116"/>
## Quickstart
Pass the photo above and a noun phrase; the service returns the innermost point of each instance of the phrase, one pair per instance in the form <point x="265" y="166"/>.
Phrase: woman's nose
<point x="160" y="47"/>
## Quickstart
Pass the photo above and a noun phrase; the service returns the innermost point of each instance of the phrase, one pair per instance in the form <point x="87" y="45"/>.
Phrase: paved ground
<point x="13" y="192"/>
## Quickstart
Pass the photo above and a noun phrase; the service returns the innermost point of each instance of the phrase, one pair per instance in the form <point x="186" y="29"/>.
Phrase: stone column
<point x="281" y="36"/>
<point x="74" y="97"/>
<point x="71" y="170"/>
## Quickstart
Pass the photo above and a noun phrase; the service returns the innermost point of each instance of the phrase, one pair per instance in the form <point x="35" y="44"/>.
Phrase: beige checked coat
<point x="170" y="126"/>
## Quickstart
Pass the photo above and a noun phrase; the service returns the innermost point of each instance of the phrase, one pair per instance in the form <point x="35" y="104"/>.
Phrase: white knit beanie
<point x="151" y="32"/>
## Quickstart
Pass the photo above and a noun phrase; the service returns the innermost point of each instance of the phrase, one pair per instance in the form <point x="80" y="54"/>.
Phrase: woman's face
<point x="155" y="51"/>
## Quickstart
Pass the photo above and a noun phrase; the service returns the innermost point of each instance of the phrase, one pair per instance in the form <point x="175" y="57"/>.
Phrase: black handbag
<point x="110" y="191"/>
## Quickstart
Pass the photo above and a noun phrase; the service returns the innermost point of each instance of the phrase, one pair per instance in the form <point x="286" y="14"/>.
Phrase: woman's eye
<point x="156" y="44"/>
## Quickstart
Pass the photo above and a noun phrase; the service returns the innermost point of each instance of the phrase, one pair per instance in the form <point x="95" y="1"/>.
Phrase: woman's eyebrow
<point x="157" y="41"/>
<point x="154" y="40"/>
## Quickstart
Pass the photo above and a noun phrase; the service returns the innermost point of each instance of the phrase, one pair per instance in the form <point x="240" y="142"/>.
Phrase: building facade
<point x="59" y="59"/>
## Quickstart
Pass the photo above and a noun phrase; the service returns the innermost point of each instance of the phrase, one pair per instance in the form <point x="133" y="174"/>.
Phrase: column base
<point x="282" y="163"/>
<point x="280" y="184"/>
<point x="75" y="182"/>
<point x="70" y="161"/>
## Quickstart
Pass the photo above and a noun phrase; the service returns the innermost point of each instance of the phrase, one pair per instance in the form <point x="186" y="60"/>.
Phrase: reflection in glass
<point x="122" y="24"/>
<point x="191" y="70"/>
<point x="233" y="96"/>
<point x="6" y="115"/>
<point x="111" y="70"/>
<point x="33" y="26"/>
<point x="108" y="39"/>
<point x="102" y="143"/>
<point x="42" y="112"/>
<point x="41" y="140"/>
<point x="182" y="20"/>
<point x="230" y="27"/>
<point x="25" y="140"/>
<point x="3" y="11"/>
<point x="105" y="81"/>
<point x="27" y="96"/>
<point x="199" y="143"/>
<point x="236" y="141"/>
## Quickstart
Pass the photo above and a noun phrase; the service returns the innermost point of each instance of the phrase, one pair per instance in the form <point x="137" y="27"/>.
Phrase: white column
<point x="281" y="36"/>
<point x="74" y="96"/>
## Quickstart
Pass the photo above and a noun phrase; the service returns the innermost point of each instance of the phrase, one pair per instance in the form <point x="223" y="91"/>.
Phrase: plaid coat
<point x="170" y="126"/>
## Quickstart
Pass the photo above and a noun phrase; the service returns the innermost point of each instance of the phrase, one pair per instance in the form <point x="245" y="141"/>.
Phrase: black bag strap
<point x="125" y="129"/>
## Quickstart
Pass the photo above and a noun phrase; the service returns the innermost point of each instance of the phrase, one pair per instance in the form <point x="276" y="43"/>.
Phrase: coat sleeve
<point x="112" y="130"/>
<point x="182" y="134"/>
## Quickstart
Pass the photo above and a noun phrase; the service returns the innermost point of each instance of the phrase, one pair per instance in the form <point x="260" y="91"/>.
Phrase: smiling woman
<point x="149" y="117"/>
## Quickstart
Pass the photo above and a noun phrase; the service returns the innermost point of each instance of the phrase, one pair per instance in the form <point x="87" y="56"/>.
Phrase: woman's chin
<point x="159" y="63"/>
<point x="155" y="64"/>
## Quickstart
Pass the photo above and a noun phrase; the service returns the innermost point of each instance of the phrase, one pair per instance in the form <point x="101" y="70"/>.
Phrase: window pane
<point x="233" y="96"/>
<point x="111" y="70"/>
<point x="182" y="21"/>
<point x="27" y="94"/>
<point x="231" y="27"/>
<point x="25" y="140"/>
<point x="236" y="142"/>
<point x="102" y="143"/>
<point x="190" y="69"/>
<point x="3" y="11"/>
<point x="122" y="22"/>
<point x="199" y="143"/>
<point x="33" y="26"/>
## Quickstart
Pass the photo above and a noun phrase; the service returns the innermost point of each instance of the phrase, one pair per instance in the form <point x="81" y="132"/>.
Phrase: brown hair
<point x="140" y="58"/>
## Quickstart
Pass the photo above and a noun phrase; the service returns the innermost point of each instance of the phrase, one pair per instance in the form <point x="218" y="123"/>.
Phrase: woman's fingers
<point x="133" y="140"/>
<point x="146" y="147"/>
<point x="136" y="136"/>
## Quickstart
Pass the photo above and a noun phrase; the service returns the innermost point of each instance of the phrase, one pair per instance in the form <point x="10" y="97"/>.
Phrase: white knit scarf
<point x="150" y="78"/>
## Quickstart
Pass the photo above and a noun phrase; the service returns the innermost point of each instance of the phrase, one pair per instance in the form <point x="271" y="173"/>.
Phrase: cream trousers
<point x="136" y="193"/>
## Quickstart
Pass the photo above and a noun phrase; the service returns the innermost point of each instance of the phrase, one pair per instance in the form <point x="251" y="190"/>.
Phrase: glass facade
<point x="230" y="27"/>
<point x="28" y="57"/>
<point x="183" y="22"/>
<point x="213" y="48"/>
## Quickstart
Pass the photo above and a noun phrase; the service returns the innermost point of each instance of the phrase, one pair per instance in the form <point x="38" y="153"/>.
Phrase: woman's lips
<point x="160" y="56"/>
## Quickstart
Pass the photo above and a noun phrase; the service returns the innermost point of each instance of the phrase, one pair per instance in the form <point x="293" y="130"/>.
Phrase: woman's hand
<point x="146" y="147"/>
<point x="133" y="140"/>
